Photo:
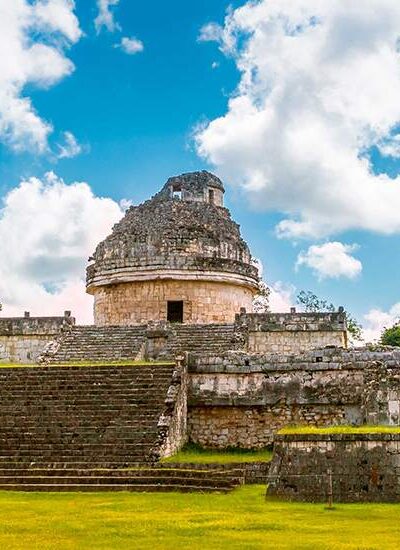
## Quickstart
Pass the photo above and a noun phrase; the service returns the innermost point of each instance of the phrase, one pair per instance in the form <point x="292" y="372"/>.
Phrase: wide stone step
<point x="112" y="487"/>
<point x="154" y="472"/>
<point x="116" y="480"/>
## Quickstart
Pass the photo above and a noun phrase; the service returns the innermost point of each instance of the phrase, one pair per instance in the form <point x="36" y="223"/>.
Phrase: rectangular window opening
<point x="175" y="312"/>
<point x="177" y="192"/>
<point x="211" y="198"/>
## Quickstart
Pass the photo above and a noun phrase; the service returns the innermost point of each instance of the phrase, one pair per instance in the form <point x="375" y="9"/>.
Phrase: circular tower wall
<point x="176" y="257"/>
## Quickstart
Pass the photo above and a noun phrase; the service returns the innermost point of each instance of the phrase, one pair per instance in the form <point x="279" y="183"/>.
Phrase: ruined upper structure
<point x="177" y="257"/>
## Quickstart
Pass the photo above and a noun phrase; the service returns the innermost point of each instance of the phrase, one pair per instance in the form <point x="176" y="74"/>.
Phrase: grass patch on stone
<point x="240" y="520"/>
<point x="88" y="364"/>
<point x="340" y="430"/>
<point x="197" y="455"/>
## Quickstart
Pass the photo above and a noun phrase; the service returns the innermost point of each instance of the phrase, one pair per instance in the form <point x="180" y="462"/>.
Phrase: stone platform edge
<point x="373" y="436"/>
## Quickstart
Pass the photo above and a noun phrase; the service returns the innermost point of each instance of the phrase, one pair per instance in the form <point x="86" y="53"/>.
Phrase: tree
<point x="391" y="336"/>
<point x="312" y="303"/>
<point x="261" y="300"/>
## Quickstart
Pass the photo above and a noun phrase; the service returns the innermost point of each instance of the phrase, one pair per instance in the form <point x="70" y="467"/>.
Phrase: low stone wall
<point x="22" y="339"/>
<point x="288" y="333"/>
<point x="287" y="342"/>
<point x="352" y="467"/>
<point x="254" y="427"/>
<point x="242" y="400"/>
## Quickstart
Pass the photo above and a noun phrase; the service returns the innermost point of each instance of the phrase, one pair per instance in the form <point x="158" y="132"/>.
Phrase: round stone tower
<point x="176" y="257"/>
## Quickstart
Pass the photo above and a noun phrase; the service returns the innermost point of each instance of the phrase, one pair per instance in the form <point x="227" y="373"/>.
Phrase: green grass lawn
<point x="339" y="430"/>
<point x="195" y="454"/>
<point x="242" y="520"/>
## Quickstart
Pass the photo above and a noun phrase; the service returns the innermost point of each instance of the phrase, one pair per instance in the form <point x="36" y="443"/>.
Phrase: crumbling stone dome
<point x="178" y="256"/>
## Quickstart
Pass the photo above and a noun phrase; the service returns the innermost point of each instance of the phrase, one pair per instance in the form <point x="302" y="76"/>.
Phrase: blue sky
<point x="134" y="118"/>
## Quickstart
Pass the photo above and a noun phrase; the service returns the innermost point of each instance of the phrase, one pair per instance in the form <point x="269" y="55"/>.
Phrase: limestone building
<point x="177" y="257"/>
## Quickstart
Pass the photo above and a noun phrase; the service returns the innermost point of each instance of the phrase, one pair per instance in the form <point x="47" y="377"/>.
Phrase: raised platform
<point x="344" y="467"/>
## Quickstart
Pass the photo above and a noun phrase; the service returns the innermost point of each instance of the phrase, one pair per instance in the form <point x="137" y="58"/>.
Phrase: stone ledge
<point x="129" y="275"/>
<point x="301" y="437"/>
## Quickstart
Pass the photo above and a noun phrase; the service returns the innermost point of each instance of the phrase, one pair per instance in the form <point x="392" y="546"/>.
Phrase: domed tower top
<point x="194" y="186"/>
<point x="179" y="247"/>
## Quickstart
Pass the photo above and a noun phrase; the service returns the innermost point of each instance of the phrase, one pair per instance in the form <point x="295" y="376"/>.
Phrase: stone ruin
<point x="177" y="257"/>
<point x="175" y="278"/>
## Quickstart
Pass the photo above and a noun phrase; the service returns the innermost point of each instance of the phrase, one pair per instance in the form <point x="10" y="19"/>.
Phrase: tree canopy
<point x="391" y="336"/>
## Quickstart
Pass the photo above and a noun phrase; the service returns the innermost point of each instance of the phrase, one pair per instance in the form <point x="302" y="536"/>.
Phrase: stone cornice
<point x="127" y="275"/>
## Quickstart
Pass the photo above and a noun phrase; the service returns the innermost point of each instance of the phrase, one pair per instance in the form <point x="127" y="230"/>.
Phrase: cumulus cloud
<point x="281" y="298"/>
<point x="131" y="45"/>
<point x="331" y="260"/>
<point x="105" y="16"/>
<point x="33" y="41"/>
<point x="70" y="148"/>
<point x="376" y="320"/>
<point x="48" y="229"/>
<point x="319" y="87"/>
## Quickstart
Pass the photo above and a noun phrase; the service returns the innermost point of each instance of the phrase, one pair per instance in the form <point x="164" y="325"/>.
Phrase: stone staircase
<point x="139" y="479"/>
<point x="94" y="428"/>
<point x="81" y="416"/>
<point x="91" y="343"/>
<point x="199" y="338"/>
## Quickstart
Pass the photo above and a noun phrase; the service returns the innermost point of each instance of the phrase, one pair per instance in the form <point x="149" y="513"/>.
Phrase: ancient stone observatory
<point x="177" y="257"/>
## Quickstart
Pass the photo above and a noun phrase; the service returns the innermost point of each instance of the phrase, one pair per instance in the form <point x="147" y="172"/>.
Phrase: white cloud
<point x="210" y="32"/>
<point x="320" y="85"/>
<point x="71" y="148"/>
<point x="131" y="45"/>
<point x="33" y="40"/>
<point x="331" y="260"/>
<point x="376" y="320"/>
<point x="48" y="229"/>
<point x="105" y="17"/>
<point x="390" y="147"/>
<point x="281" y="298"/>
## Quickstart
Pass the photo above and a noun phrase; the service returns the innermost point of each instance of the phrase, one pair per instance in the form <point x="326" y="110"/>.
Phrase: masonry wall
<point x="141" y="302"/>
<point x="287" y="342"/>
<point x="290" y="333"/>
<point x="359" y="467"/>
<point x="22" y="339"/>
<point x="241" y="400"/>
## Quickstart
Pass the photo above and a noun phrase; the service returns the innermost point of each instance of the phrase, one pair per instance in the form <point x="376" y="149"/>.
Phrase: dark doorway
<point x="175" y="312"/>
<point x="211" y="199"/>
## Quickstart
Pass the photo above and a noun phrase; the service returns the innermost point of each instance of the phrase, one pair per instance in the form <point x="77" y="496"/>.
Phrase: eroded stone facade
<point x="254" y="427"/>
<point x="336" y="467"/>
<point x="291" y="333"/>
<point x="138" y="303"/>
<point x="22" y="339"/>
<point x="242" y="400"/>
<point x="293" y="342"/>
